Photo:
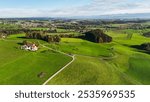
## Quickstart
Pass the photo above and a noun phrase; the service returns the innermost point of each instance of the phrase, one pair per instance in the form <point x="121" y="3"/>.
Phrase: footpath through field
<point x="73" y="58"/>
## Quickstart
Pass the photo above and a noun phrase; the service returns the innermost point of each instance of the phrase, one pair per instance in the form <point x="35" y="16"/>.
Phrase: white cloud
<point x="11" y="12"/>
<point x="96" y="7"/>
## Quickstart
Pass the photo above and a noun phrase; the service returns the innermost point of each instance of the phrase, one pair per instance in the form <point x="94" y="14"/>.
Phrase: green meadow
<point x="115" y="63"/>
<point x="90" y="71"/>
<point x="97" y="64"/>
<point x="24" y="67"/>
<point x="82" y="47"/>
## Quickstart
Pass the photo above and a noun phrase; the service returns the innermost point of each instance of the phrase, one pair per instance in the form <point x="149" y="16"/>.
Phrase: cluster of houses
<point x="29" y="47"/>
<point x="3" y="36"/>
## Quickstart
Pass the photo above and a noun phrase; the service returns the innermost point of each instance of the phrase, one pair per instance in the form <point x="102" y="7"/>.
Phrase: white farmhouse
<point x="29" y="47"/>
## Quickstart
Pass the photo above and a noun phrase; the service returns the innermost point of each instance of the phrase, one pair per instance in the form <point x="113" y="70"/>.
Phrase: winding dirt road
<point x="72" y="56"/>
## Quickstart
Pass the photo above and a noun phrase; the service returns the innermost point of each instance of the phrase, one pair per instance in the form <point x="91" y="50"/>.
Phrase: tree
<point x="147" y="34"/>
<point x="129" y="36"/>
<point x="97" y="36"/>
<point x="145" y="46"/>
<point x="25" y="42"/>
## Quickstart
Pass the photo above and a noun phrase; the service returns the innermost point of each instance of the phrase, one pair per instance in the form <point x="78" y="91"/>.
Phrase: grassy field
<point x="121" y="38"/>
<point x="62" y="31"/>
<point x="139" y="68"/>
<point x="115" y="63"/>
<point x="124" y="65"/>
<point x="38" y="28"/>
<point x="23" y="67"/>
<point x="9" y="26"/>
<point x="82" y="47"/>
<point x="90" y="71"/>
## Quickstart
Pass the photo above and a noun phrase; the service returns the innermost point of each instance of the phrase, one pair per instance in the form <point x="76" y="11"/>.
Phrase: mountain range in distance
<point x="116" y="16"/>
<point x="111" y="16"/>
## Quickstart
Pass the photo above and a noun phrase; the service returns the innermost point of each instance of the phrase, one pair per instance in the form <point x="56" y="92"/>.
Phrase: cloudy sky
<point x="62" y="8"/>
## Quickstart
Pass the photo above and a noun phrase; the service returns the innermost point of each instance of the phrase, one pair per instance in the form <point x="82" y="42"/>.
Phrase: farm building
<point x="30" y="47"/>
<point x="3" y="36"/>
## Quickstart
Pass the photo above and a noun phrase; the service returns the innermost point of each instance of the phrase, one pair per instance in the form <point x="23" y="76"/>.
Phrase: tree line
<point x="97" y="36"/>
<point x="23" y="30"/>
<point x="42" y="36"/>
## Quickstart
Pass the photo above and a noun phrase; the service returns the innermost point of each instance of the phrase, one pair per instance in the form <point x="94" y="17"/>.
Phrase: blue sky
<point x="39" y="4"/>
<point x="61" y="8"/>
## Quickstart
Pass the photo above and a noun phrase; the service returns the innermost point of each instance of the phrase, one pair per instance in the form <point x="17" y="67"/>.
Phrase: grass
<point x="139" y="68"/>
<point x="127" y="65"/>
<point x="115" y="63"/>
<point x="130" y="60"/>
<point x="39" y="28"/>
<point x="90" y="71"/>
<point x="83" y="47"/>
<point x="21" y="37"/>
<point x="62" y="30"/>
<point x="121" y="38"/>
<point x="9" y="26"/>
<point x="22" y="67"/>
